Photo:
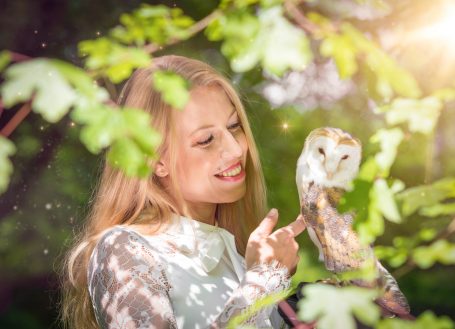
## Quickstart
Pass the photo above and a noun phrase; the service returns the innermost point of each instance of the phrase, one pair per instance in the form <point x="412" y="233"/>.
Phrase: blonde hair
<point x="119" y="199"/>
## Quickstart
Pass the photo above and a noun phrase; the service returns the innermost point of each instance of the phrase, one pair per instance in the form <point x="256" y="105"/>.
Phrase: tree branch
<point x="299" y="18"/>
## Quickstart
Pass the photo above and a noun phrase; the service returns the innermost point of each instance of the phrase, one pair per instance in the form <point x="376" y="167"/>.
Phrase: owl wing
<point x="340" y="245"/>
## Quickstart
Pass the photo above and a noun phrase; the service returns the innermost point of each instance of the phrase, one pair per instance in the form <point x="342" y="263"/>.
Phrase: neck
<point x="203" y="212"/>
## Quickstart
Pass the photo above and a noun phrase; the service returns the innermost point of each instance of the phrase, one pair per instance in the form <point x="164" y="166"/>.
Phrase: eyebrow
<point x="209" y="126"/>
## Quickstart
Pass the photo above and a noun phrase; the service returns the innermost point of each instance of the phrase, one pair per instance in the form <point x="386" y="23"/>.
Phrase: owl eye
<point x="345" y="157"/>
<point x="321" y="151"/>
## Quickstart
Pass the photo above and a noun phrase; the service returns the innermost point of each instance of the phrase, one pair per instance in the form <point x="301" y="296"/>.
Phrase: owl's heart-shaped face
<point x="333" y="161"/>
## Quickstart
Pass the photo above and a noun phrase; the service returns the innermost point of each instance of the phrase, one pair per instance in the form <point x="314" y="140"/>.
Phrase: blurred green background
<point x="54" y="174"/>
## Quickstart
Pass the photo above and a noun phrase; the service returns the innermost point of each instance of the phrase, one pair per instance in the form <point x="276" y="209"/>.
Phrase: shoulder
<point x="122" y="244"/>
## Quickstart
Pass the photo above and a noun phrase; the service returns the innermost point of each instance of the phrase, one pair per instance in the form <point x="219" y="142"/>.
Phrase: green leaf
<point x="268" y="39"/>
<point x="173" y="88"/>
<point x="154" y="24"/>
<point x="366" y="201"/>
<point x="5" y="58"/>
<point x="268" y="300"/>
<point x="425" y="320"/>
<point x="343" y="51"/>
<point x="426" y="195"/>
<point x="440" y="209"/>
<point x="421" y="115"/>
<point x="88" y="92"/>
<point x="386" y="201"/>
<point x="445" y="94"/>
<point x="335" y="307"/>
<point x="127" y="156"/>
<point x="114" y="60"/>
<point x="389" y="140"/>
<point x="440" y="251"/>
<point x="285" y="46"/>
<point x="53" y="96"/>
<point x="7" y="149"/>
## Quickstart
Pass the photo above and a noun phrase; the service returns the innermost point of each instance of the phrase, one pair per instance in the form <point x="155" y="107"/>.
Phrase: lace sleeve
<point x="128" y="285"/>
<point x="259" y="282"/>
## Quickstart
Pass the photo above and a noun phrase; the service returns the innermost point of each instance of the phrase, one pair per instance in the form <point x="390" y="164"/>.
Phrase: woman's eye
<point x="207" y="141"/>
<point x="235" y="126"/>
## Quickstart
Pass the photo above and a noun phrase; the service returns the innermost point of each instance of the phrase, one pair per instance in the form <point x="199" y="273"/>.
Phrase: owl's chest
<point x="319" y="206"/>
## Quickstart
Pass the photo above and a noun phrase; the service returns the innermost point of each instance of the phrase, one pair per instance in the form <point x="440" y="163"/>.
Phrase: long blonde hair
<point x="119" y="199"/>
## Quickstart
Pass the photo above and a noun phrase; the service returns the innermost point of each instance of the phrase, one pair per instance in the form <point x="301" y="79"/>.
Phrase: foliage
<point x="331" y="313"/>
<point x="269" y="37"/>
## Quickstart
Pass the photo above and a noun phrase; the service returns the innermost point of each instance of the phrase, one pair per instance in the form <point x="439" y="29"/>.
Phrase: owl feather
<point x="329" y="161"/>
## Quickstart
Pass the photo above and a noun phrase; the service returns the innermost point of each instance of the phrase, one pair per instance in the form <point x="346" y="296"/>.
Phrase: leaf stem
<point x="16" y="119"/>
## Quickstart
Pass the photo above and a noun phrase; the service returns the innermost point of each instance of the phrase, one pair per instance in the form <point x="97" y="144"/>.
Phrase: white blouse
<point x="189" y="276"/>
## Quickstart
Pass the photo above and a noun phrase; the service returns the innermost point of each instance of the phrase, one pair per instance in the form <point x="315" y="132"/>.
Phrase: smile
<point x="232" y="174"/>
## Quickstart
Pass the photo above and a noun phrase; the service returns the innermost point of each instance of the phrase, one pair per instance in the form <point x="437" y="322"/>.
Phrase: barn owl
<point x="329" y="161"/>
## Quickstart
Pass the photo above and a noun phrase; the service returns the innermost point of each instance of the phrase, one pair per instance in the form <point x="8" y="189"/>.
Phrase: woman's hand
<point x="264" y="246"/>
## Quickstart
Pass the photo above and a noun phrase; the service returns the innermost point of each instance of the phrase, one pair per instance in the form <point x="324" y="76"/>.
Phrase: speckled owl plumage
<point x="338" y="244"/>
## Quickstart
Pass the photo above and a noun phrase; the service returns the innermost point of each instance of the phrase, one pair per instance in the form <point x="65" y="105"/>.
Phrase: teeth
<point x="233" y="172"/>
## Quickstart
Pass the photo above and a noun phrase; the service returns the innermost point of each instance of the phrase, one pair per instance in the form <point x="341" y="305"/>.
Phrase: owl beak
<point x="329" y="175"/>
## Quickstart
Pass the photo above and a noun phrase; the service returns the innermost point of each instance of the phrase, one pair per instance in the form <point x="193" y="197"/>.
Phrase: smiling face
<point x="211" y="151"/>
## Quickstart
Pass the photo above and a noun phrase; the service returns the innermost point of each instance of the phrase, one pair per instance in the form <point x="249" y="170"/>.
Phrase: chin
<point x="234" y="196"/>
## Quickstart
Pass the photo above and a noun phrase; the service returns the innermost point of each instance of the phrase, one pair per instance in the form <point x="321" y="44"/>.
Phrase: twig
<point x="192" y="30"/>
<point x="16" y="119"/>
<point x="299" y="18"/>
<point x="16" y="57"/>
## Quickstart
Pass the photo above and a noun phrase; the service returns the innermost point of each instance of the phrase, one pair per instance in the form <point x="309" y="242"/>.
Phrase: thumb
<point x="265" y="228"/>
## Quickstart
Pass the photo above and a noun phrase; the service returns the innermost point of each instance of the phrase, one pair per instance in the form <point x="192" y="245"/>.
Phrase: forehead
<point x="207" y="106"/>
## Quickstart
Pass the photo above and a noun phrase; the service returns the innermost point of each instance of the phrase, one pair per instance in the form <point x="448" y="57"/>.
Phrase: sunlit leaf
<point x="421" y="115"/>
<point x="126" y="155"/>
<point x="386" y="201"/>
<point x="440" y="209"/>
<point x="173" y="88"/>
<point x="53" y="96"/>
<point x="389" y="140"/>
<point x="322" y="303"/>
<point x="7" y="149"/>
<point x="425" y="320"/>
<point x="344" y="53"/>
<point x="116" y="61"/>
<point x="426" y="195"/>
<point x="285" y="47"/>
<point x="258" y="306"/>
<point x="268" y="39"/>
<point x="156" y="24"/>
<point x="5" y="58"/>
<point x="440" y="251"/>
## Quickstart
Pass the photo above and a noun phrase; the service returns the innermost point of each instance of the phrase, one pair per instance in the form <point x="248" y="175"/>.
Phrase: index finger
<point x="297" y="226"/>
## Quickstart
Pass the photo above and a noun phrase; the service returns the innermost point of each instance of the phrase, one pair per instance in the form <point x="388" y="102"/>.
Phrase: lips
<point x="235" y="165"/>
<point x="233" y="173"/>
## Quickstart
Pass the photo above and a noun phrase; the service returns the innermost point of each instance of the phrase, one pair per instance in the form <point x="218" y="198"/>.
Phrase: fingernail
<point x="272" y="213"/>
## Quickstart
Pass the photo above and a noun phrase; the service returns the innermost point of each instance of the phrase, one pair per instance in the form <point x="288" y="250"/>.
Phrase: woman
<point x="167" y="251"/>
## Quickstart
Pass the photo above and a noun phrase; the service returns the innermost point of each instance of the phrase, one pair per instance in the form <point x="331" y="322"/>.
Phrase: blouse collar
<point x="205" y="241"/>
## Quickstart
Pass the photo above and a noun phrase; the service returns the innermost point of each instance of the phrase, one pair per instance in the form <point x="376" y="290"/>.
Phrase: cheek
<point x="243" y="143"/>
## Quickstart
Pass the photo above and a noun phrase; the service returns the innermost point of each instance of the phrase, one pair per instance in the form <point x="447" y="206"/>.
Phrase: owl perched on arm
<point x="329" y="161"/>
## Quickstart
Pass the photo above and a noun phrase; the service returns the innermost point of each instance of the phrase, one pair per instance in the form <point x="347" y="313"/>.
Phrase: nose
<point x="231" y="148"/>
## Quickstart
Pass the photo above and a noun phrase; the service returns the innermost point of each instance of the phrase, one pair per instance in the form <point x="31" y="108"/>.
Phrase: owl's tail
<point x="392" y="299"/>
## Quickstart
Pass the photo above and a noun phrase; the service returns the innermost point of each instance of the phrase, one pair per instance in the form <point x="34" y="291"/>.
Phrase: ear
<point x="161" y="169"/>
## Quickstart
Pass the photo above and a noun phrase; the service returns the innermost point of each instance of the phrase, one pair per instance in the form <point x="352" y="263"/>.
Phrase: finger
<point x="297" y="226"/>
<point x="268" y="223"/>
